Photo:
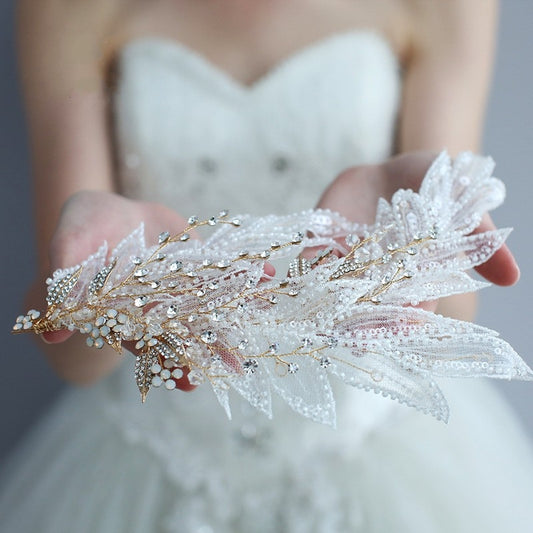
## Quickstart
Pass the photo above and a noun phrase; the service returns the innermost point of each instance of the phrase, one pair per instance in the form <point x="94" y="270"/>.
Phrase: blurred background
<point x="28" y="386"/>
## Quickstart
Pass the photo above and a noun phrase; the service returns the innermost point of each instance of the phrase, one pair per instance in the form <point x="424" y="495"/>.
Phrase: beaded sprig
<point x="207" y="309"/>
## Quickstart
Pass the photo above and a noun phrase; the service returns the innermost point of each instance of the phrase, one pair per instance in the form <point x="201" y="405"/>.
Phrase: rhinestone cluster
<point x="207" y="312"/>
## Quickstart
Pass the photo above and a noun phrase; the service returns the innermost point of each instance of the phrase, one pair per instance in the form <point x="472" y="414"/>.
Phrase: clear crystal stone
<point x="273" y="348"/>
<point x="297" y="238"/>
<point x="175" y="266"/>
<point x="325" y="362"/>
<point x="163" y="237"/>
<point x="351" y="239"/>
<point x="217" y="315"/>
<point x="332" y="342"/>
<point x="192" y="220"/>
<point x="140" y="301"/>
<point x="172" y="311"/>
<point x="250" y="366"/>
<point x="195" y="377"/>
<point x="292" y="368"/>
<point x="208" y="336"/>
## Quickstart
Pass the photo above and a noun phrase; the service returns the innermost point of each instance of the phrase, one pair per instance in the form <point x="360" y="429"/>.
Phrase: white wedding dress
<point x="193" y="138"/>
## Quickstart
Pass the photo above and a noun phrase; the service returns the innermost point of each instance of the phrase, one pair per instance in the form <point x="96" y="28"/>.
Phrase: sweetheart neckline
<point x="193" y="56"/>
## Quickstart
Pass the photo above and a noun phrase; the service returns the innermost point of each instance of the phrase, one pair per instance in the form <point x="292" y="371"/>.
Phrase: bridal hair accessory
<point x="208" y="308"/>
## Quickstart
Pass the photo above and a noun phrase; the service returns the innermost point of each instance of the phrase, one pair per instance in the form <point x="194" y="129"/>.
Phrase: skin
<point x="66" y="53"/>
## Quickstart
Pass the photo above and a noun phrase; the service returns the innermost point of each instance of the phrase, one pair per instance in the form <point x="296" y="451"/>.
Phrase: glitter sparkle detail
<point x="206" y="312"/>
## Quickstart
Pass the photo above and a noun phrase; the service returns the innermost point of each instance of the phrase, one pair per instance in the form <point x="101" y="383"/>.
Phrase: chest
<point x="247" y="39"/>
<point x="188" y="130"/>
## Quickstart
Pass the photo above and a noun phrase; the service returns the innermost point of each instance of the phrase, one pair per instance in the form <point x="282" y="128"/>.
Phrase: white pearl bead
<point x="155" y="368"/>
<point x="170" y="384"/>
<point x="165" y="374"/>
<point x="99" y="342"/>
<point x="177" y="373"/>
<point x="156" y="381"/>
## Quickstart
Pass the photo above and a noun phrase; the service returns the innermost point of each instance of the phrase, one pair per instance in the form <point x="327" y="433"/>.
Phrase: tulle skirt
<point x="101" y="462"/>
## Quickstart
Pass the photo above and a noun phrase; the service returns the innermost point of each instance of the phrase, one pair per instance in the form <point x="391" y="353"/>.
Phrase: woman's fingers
<point x="269" y="271"/>
<point x="55" y="337"/>
<point x="501" y="268"/>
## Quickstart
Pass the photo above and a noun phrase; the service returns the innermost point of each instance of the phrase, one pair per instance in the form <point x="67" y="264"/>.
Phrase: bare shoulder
<point x="63" y="42"/>
<point x="455" y="25"/>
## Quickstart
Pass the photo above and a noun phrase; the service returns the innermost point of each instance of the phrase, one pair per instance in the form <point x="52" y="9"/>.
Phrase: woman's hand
<point x="355" y="192"/>
<point x="87" y="219"/>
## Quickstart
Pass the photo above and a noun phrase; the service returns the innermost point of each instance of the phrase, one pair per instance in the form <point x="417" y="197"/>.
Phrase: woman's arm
<point x="447" y="74"/>
<point x="447" y="66"/>
<point x="446" y="85"/>
<point x="63" y="87"/>
<point x="62" y="71"/>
